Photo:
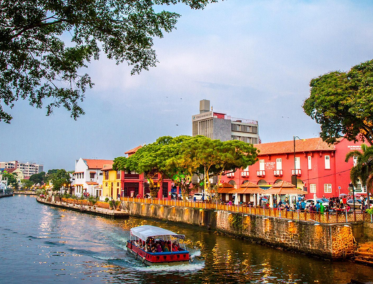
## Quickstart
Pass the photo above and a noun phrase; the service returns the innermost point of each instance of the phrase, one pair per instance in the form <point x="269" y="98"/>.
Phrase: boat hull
<point x="161" y="258"/>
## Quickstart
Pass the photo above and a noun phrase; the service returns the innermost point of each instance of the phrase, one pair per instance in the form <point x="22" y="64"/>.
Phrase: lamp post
<point x="353" y="192"/>
<point x="294" y="176"/>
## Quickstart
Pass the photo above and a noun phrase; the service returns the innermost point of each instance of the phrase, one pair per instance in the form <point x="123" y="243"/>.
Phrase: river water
<point x="42" y="244"/>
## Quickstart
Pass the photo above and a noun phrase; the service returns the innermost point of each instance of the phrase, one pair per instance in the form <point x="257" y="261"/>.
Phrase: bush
<point x="111" y="203"/>
<point x="92" y="200"/>
<point x="106" y="199"/>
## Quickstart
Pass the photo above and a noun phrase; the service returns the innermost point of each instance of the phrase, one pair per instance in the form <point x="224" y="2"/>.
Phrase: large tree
<point x="342" y="103"/>
<point x="36" y="64"/>
<point x="38" y="178"/>
<point x="182" y="157"/>
<point x="60" y="179"/>
<point x="11" y="179"/>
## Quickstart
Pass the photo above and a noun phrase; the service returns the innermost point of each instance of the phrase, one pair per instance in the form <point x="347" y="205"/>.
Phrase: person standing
<point x="303" y="205"/>
<point x="322" y="209"/>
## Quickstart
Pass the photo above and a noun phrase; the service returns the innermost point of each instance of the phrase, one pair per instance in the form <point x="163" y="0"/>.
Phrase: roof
<point x="10" y="170"/>
<point x="248" y="188"/>
<point x="97" y="164"/>
<point x="306" y="145"/>
<point x="132" y="151"/>
<point x="146" y="231"/>
<point x="107" y="167"/>
<point x="226" y="190"/>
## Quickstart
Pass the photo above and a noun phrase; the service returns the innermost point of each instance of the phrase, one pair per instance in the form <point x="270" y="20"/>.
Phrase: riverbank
<point x="86" y="209"/>
<point x="5" y="195"/>
<point x="29" y="192"/>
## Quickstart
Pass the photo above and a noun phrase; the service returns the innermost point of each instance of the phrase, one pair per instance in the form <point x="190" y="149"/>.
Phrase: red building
<point x="136" y="185"/>
<point x="320" y="168"/>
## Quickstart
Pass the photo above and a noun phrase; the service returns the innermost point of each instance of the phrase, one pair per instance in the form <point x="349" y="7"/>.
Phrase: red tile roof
<point x="132" y="151"/>
<point x="307" y="145"/>
<point x="107" y="167"/>
<point x="96" y="164"/>
<point x="10" y="170"/>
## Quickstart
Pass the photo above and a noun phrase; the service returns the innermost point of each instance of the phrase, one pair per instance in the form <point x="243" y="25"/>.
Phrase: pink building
<point x="320" y="168"/>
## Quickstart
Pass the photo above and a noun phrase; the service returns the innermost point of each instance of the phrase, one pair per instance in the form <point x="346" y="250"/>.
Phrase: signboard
<point x="202" y="116"/>
<point x="270" y="165"/>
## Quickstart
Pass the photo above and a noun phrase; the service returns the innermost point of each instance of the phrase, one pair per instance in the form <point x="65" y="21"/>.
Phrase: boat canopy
<point x="146" y="231"/>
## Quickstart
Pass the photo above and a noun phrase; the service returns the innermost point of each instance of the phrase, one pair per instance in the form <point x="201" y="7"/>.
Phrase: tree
<point x="27" y="183"/>
<point x="60" y="179"/>
<point x="182" y="157"/>
<point x="152" y="160"/>
<point x="342" y="103"/>
<point x="35" y="63"/>
<point x="11" y="179"/>
<point x="363" y="169"/>
<point x="38" y="178"/>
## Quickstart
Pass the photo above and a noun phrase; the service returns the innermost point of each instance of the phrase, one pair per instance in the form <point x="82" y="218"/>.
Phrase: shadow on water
<point x="45" y="244"/>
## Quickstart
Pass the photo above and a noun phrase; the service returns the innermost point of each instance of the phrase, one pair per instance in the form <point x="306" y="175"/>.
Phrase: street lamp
<point x="294" y="176"/>
<point x="353" y="192"/>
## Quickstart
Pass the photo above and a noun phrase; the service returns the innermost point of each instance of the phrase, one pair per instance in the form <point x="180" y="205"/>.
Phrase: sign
<point x="202" y="116"/>
<point x="270" y="165"/>
<point x="339" y="187"/>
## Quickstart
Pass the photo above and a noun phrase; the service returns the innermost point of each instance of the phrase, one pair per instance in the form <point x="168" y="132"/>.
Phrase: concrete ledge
<point x="6" y="195"/>
<point x="86" y="209"/>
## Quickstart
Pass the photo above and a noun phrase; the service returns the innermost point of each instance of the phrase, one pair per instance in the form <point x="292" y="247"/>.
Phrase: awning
<point x="92" y="172"/>
<point x="78" y="173"/>
<point x="91" y="183"/>
<point x="146" y="231"/>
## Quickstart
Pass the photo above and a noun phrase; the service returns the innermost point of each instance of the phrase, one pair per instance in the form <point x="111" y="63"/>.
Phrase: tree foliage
<point x="60" y="179"/>
<point x="11" y="178"/>
<point x="38" y="178"/>
<point x="363" y="169"/>
<point x="36" y="64"/>
<point x="182" y="157"/>
<point x="27" y="183"/>
<point x="342" y="103"/>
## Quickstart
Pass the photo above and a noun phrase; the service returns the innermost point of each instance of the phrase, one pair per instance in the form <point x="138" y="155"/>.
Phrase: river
<point x="42" y="244"/>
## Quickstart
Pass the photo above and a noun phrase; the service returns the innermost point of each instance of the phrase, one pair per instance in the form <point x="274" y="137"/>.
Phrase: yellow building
<point x="111" y="183"/>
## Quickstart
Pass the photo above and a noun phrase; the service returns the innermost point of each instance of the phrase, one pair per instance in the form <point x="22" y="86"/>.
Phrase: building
<point x="88" y="176"/>
<point x="111" y="183"/>
<point x="17" y="172"/>
<point x="216" y="125"/>
<point x="28" y="169"/>
<point x="136" y="185"/>
<point x="320" y="168"/>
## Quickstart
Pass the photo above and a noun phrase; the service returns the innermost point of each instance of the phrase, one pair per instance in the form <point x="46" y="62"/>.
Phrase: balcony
<point x="297" y="172"/>
<point x="245" y="174"/>
<point x="261" y="173"/>
<point x="131" y="176"/>
<point x="230" y="175"/>
<point x="277" y="173"/>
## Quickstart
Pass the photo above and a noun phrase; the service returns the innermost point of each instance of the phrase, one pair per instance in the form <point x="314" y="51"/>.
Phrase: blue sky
<point x="251" y="59"/>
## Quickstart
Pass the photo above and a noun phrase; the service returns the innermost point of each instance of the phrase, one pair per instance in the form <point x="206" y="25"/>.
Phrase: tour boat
<point x="145" y="238"/>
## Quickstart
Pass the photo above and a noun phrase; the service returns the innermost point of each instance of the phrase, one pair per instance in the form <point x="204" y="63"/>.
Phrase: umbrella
<point x="342" y="194"/>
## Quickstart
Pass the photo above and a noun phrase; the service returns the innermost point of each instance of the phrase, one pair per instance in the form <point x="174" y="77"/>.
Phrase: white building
<point x="88" y="175"/>
<point x="28" y="169"/>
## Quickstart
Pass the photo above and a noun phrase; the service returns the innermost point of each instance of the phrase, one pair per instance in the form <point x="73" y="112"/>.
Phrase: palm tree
<point x="363" y="169"/>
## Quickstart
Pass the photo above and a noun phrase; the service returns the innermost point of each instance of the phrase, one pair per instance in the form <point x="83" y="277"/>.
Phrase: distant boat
<point x="153" y="245"/>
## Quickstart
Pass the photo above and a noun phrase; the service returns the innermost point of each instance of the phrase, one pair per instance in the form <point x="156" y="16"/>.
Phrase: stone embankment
<point x="90" y="209"/>
<point x="333" y="241"/>
<point x="23" y="192"/>
<point x="6" y="195"/>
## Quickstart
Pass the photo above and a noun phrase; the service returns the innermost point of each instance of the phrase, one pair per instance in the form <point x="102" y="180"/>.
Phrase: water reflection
<point x="45" y="244"/>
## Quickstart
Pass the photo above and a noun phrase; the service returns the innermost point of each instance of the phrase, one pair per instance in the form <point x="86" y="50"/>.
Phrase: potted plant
<point x="117" y="205"/>
<point x="111" y="204"/>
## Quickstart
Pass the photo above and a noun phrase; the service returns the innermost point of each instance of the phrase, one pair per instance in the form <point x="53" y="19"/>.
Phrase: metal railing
<point x="297" y="215"/>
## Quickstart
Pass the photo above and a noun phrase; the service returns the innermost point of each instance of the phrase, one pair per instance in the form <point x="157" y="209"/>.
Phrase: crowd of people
<point x="158" y="245"/>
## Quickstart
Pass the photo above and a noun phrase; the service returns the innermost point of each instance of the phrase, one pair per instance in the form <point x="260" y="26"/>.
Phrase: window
<point x="355" y="160"/>
<point x="118" y="174"/>
<point x="106" y="184"/>
<point x="261" y="165"/>
<point x="255" y="129"/>
<point x="328" y="188"/>
<point x="92" y="175"/>
<point x="297" y="163"/>
<point x="327" y="162"/>
<point x="279" y="164"/>
<point x="312" y="188"/>
<point x="117" y="184"/>
<point x="106" y="174"/>
<point x="309" y="162"/>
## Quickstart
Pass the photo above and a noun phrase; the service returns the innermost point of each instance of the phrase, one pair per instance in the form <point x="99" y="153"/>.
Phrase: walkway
<point x="329" y="218"/>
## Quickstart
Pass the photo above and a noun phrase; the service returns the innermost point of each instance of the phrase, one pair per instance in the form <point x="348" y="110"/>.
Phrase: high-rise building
<point x="28" y="169"/>
<point x="217" y="125"/>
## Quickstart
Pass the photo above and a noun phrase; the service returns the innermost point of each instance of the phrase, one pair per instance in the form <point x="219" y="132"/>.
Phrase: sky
<point x="252" y="59"/>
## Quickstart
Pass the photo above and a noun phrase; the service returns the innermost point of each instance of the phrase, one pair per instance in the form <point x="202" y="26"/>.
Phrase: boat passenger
<point x="166" y="249"/>
<point x="159" y="248"/>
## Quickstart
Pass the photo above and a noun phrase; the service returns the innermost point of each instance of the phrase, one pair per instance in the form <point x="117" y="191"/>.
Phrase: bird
<point x="177" y="124"/>
<point x="181" y="98"/>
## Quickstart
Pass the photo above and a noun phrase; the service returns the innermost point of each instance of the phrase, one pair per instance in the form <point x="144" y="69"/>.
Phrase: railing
<point x="131" y="176"/>
<point x="296" y="172"/>
<point x="230" y="175"/>
<point x="277" y="173"/>
<point x="245" y="174"/>
<point x="340" y="217"/>
<point x="260" y="173"/>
